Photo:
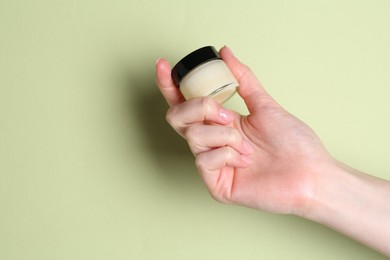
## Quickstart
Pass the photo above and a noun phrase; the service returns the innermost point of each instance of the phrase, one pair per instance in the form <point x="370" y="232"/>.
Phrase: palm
<point x="273" y="182"/>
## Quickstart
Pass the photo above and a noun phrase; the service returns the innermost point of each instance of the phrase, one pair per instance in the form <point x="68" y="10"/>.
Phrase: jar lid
<point x="193" y="60"/>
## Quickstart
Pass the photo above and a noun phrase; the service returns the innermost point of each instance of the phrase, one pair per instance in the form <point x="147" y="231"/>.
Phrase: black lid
<point x="193" y="60"/>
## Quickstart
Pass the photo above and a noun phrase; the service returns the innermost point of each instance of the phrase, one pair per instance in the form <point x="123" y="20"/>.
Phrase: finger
<point x="198" y="110"/>
<point x="216" y="168"/>
<point x="165" y="83"/>
<point x="250" y="89"/>
<point x="215" y="160"/>
<point x="203" y="138"/>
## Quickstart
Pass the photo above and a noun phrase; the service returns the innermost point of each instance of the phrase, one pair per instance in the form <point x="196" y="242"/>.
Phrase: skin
<point x="272" y="161"/>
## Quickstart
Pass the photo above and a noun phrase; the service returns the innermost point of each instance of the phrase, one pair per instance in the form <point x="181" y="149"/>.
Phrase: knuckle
<point x="215" y="194"/>
<point x="246" y="73"/>
<point x="246" y="69"/>
<point x="172" y="118"/>
<point x="169" y="115"/>
<point x="208" y="105"/>
<point x="200" y="162"/>
<point x="204" y="102"/>
<point x="232" y="135"/>
<point x="228" y="153"/>
<point x="191" y="134"/>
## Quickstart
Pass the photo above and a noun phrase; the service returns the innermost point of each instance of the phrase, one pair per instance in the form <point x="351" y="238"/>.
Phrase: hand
<point x="267" y="160"/>
<point x="272" y="161"/>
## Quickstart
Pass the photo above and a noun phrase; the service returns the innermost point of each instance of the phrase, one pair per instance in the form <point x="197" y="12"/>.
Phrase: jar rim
<point x="193" y="60"/>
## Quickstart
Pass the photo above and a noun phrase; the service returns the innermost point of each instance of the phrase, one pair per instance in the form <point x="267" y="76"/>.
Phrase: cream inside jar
<point x="204" y="73"/>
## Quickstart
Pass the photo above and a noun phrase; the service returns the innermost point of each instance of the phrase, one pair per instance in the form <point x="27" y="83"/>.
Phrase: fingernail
<point x="247" y="147"/>
<point x="225" y="115"/>
<point x="158" y="60"/>
<point x="246" y="159"/>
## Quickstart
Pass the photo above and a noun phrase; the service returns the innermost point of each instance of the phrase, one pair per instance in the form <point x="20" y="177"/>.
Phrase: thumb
<point x="250" y="88"/>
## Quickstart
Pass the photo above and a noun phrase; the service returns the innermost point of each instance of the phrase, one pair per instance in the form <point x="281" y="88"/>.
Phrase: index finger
<point x="165" y="83"/>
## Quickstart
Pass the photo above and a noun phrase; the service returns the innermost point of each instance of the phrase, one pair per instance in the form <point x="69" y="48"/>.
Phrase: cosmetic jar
<point x="204" y="73"/>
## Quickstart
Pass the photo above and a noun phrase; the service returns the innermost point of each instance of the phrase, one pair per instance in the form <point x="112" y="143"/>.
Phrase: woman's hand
<point x="268" y="160"/>
<point x="272" y="161"/>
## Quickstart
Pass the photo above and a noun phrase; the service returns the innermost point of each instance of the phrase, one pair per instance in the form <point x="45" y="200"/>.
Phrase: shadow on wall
<point x="169" y="150"/>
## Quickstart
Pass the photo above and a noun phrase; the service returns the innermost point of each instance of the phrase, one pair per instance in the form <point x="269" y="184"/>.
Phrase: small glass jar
<point x="204" y="73"/>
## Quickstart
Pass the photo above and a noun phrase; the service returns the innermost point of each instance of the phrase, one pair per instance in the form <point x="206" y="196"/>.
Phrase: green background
<point x="89" y="169"/>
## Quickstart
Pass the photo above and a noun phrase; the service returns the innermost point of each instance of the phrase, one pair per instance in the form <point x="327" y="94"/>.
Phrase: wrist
<point x="352" y="203"/>
<point x="333" y="192"/>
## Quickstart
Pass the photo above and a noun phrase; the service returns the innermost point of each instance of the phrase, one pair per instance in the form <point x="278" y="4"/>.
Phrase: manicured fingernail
<point x="246" y="159"/>
<point x="247" y="147"/>
<point x="225" y="115"/>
